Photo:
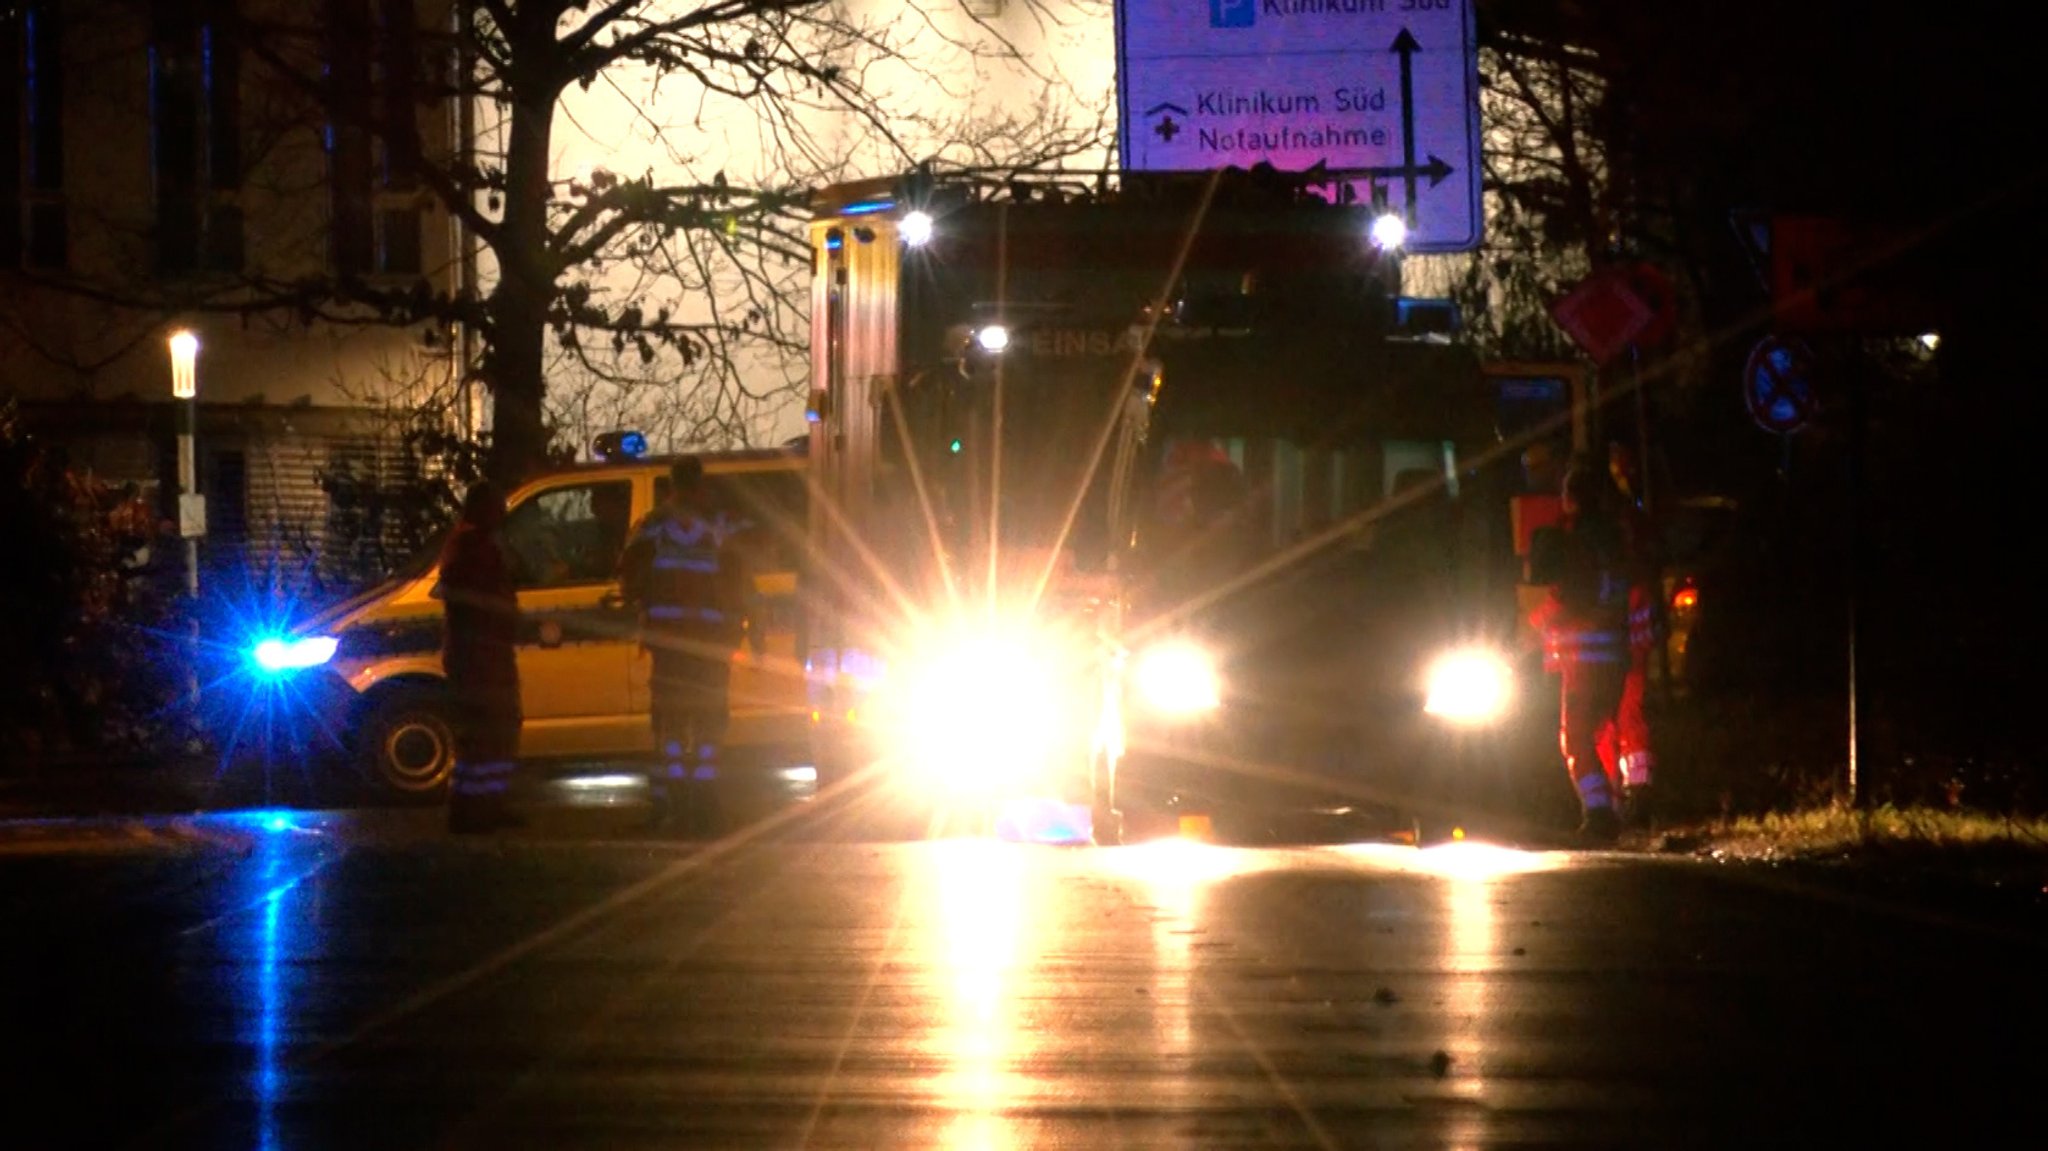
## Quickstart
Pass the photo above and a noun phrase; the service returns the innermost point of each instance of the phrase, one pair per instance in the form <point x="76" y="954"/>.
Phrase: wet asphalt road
<point x="359" y="980"/>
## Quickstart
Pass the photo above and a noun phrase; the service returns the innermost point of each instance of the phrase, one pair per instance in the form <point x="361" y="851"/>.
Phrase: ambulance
<point x="1022" y="387"/>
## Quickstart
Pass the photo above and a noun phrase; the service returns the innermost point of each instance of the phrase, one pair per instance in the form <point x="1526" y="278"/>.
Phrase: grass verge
<point x="1838" y="832"/>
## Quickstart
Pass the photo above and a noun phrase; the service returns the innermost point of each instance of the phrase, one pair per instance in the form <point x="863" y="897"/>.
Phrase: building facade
<point x="219" y="166"/>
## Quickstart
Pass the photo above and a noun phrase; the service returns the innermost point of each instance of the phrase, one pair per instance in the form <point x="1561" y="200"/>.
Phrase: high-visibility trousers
<point x="690" y="712"/>
<point x="486" y="724"/>
<point x="1593" y="686"/>
<point x="1626" y="745"/>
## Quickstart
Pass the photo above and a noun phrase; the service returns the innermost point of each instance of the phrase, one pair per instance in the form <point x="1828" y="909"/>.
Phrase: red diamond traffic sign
<point x="1605" y="313"/>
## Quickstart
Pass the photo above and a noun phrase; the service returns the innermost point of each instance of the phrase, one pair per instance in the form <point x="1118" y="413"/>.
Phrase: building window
<point x="226" y="485"/>
<point x="32" y="216"/>
<point x="196" y="135"/>
<point x="373" y="138"/>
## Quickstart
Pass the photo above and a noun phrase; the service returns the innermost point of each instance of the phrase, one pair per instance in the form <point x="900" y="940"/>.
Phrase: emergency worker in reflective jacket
<point x="1584" y="623"/>
<point x="694" y="598"/>
<point x="1628" y="747"/>
<point x="480" y="607"/>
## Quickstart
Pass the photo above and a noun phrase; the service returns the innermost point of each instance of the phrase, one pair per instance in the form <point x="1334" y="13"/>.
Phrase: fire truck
<point x="1141" y="493"/>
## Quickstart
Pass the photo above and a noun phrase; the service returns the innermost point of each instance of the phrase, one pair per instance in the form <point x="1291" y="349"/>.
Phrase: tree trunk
<point x="512" y="370"/>
<point x="518" y="305"/>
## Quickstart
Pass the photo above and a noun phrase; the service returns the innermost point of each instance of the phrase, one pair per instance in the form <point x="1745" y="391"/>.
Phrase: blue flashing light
<point x="1423" y="316"/>
<point x="277" y="656"/>
<point x="275" y="820"/>
<point x="867" y="207"/>
<point x="619" y="446"/>
<point x="1045" y="821"/>
<point x="954" y="447"/>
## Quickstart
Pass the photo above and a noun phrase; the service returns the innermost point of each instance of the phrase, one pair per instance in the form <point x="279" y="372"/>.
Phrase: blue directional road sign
<point x="1385" y="89"/>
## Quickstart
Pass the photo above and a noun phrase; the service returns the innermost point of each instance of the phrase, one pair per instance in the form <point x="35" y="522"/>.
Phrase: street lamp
<point x="1389" y="231"/>
<point x="191" y="505"/>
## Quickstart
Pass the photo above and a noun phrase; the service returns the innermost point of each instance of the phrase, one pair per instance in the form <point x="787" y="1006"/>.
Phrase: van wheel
<point x="408" y="743"/>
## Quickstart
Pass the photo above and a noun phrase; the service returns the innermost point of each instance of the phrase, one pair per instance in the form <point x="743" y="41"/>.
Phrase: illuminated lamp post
<point x="191" y="505"/>
<point x="1389" y="232"/>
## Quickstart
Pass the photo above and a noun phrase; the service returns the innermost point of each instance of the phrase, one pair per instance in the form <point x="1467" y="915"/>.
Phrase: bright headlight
<point x="283" y="655"/>
<point x="1178" y="679"/>
<point x="1470" y="687"/>
<point x="981" y="677"/>
<point x="993" y="705"/>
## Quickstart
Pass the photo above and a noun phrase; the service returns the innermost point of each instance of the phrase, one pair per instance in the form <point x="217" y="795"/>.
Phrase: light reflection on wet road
<point x="338" y="981"/>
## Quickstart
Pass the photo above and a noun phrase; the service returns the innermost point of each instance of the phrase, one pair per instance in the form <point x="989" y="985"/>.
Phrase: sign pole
<point x="184" y="349"/>
<point x="1635" y="368"/>
<point x="1643" y="495"/>
<point x="188" y="486"/>
<point x="1858" y="429"/>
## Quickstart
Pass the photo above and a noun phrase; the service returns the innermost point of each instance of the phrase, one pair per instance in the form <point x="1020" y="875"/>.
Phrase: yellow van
<point x="370" y="668"/>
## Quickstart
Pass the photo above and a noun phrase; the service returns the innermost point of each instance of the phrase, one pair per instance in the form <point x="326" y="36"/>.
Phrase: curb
<point x="46" y="837"/>
<point x="57" y="792"/>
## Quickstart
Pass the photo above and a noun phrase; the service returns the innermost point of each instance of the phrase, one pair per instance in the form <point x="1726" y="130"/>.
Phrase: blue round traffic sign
<point x="1777" y="385"/>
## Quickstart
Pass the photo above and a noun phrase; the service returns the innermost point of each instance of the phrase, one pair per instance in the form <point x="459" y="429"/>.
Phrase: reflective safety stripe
<point x="677" y="611"/>
<point x="1586" y="638"/>
<point x="1593" y="791"/>
<point x="684" y="583"/>
<point x="679" y="765"/>
<point x="1642" y="627"/>
<point x="484" y="779"/>
<point x="1583" y="647"/>
<point x="492" y="777"/>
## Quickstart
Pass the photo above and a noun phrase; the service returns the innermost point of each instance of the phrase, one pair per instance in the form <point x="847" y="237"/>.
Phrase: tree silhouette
<point x="682" y="285"/>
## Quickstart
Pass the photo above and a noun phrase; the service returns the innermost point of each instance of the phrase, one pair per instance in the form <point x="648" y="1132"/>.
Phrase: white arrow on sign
<point x="1384" y="90"/>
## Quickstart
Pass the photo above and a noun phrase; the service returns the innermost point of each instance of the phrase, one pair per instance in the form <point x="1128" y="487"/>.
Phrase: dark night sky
<point x="1820" y="104"/>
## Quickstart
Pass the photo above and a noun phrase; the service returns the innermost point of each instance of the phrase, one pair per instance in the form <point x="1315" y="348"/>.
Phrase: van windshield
<point x="422" y="561"/>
